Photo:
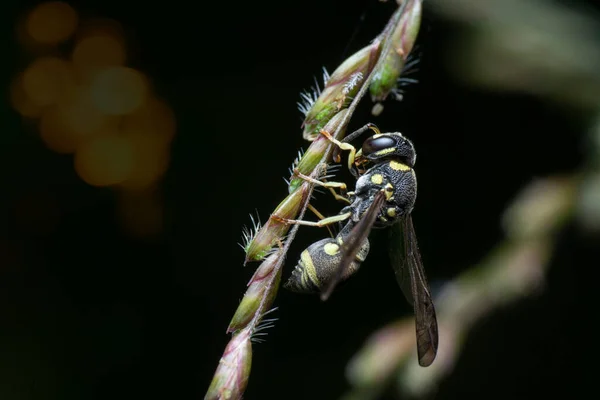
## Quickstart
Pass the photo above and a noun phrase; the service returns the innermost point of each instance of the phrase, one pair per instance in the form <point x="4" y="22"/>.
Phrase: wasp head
<point x="387" y="146"/>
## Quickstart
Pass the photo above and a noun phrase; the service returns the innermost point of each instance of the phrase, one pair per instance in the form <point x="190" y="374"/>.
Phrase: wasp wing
<point x="353" y="242"/>
<point x="408" y="268"/>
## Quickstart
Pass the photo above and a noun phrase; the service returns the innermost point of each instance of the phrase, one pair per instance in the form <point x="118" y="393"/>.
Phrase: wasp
<point x="384" y="197"/>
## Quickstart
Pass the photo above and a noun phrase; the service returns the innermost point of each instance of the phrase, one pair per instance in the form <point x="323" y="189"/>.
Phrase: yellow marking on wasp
<point x="385" y="151"/>
<point x="340" y="241"/>
<point x="391" y="212"/>
<point x="331" y="249"/>
<point x="383" y="219"/>
<point x="377" y="179"/>
<point x="375" y="136"/>
<point x="395" y="165"/>
<point x="309" y="268"/>
<point x="303" y="282"/>
<point x="389" y="191"/>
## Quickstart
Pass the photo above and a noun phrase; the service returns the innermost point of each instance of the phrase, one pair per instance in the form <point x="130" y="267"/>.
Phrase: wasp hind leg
<point x="319" y="224"/>
<point x="321" y="217"/>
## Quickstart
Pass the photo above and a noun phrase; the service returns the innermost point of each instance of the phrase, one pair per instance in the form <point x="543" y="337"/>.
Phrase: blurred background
<point x="137" y="138"/>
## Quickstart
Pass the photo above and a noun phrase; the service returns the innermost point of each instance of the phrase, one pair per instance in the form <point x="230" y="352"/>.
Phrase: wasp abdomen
<point x="318" y="265"/>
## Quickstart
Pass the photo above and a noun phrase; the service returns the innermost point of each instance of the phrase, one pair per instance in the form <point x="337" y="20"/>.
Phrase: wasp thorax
<point x="318" y="265"/>
<point x="386" y="146"/>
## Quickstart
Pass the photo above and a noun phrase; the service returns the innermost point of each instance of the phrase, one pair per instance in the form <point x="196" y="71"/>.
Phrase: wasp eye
<point x="372" y="145"/>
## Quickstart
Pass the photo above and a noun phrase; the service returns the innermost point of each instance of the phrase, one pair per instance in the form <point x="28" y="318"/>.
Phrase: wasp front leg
<point x="344" y="145"/>
<point x="329" y="185"/>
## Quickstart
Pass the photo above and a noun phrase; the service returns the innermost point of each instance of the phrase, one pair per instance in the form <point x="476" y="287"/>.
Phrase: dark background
<point x="87" y="312"/>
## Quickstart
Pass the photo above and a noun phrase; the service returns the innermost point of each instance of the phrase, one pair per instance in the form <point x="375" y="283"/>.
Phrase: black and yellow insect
<point x="384" y="196"/>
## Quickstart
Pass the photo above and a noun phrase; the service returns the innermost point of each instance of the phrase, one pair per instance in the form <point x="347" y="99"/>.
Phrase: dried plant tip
<point x="265" y="278"/>
<point x="387" y="76"/>
<point x="341" y="87"/>
<point x="231" y="377"/>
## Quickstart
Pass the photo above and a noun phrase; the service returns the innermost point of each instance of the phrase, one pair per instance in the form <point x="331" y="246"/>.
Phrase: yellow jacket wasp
<point x="384" y="196"/>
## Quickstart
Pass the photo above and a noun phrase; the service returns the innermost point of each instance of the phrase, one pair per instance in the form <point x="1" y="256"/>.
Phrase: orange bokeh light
<point x="74" y="121"/>
<point x="21" y="102"/>
<point x="82" y="116"/>
<point x="97" y="51"/>
<point x="118" y="90"/>
<point x="154" y="119"/>
<point x="150" y="164"/>
<point x="151" y="129"/>
<point x="55" y="134"/>
<point x="47" y="80"/>
<point x="51" y="22"/>
<point x="104" y="161"/>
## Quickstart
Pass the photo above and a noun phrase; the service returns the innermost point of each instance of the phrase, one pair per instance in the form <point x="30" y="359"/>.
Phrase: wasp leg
<point x="321" y="217"/>
<point x="329" y="185"/>
<point x="319" y="224"/>
<point x="342" y="146"/>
